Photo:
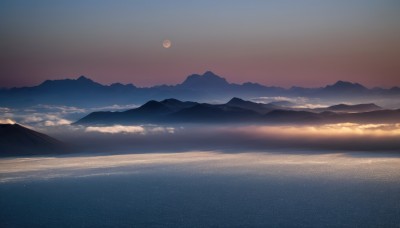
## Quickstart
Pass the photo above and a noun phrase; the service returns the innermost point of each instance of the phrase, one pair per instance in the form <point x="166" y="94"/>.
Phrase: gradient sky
<point x="273" y="42"/>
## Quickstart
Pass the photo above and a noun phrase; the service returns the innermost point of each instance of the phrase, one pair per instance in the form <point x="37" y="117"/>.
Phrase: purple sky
<point x="278" y="42"/>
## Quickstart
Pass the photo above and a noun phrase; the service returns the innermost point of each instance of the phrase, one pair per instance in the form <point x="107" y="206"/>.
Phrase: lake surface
<point x="201" y="189"/>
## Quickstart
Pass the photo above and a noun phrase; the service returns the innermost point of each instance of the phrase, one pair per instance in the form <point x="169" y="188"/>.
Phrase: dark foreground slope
<point x="18" y="140"/>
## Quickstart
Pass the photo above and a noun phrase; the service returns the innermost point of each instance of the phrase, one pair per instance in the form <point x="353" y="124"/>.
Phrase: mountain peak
<point x="235" y="100"/>
<point x="344" y="85"/>
<point x="66" y="84"/>
<point x="341" y="83"/>
<point x="83" y="78"/>
<point x="171" y="101"/>
<point x="207" y="80"/>
<point x="210" y="74"/>
<point x="238" y="102"/>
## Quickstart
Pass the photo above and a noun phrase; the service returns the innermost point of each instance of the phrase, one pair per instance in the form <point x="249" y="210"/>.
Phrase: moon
<point x="166" y="43"/>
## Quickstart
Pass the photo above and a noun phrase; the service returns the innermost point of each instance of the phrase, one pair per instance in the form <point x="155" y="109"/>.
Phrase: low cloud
<point x="58" y="109"/>
<point x="40" y="116"/>
<point x="230" y="138"/>
<point x="162" y="130"/>
<point x="298" y="102"/>
<point x="121" y="129"/>
<point x="4" y="109"/>
<point x="115" y="107"/>
<point x="117" y="129"/>
<point x="58" y="122"/>
<point x="6" y="121"/>
<point x="328" y="130"/>
<point x="312" y="106"/>
<point x="32" y="119"/>
<point x="273" y="99"/>
<point x="55" y="120"/>
<point x="43" y="120"/>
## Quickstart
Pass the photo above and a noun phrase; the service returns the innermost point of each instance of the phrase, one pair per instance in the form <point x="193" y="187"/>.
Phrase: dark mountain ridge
<point x="239" y="111"/>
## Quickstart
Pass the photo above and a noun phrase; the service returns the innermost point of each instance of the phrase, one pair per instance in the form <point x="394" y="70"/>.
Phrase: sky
<point x="273" y="42"/>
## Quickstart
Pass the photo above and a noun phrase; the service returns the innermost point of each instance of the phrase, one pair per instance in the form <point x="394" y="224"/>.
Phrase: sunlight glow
<point x="6" y="121"/>
<point x="329" y="130"/>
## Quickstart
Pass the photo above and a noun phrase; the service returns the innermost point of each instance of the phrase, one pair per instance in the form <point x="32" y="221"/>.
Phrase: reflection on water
<point x="201" y="189"/>
<point x="333" y="165"/>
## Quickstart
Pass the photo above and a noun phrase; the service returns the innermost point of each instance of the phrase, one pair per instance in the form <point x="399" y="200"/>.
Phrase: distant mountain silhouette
<point x="342" y="86"/>
<point x="257" y="107"/>
<point x="239" y="111"/>
<point x="208" y="80"/>
<point x="83" y="92"/>
<point x="283" y="103"/>
<point x="207" y="113"/>
<point x="149" y="112"/>
<point x="80" y="83"/>
<point x="18" y="140"/>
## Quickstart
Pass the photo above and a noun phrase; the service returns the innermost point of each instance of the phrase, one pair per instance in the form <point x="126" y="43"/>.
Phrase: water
<point x="201" y="189"/>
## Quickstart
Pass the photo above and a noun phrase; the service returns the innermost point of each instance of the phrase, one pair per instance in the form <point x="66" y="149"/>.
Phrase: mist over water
<point x="192" y="175"/>
<point x="231" y="138"/>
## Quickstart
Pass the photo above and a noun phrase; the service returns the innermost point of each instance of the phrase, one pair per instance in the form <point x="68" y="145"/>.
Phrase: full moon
<point x="166" y="43"/>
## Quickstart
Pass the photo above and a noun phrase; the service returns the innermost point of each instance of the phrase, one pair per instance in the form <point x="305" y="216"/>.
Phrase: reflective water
<point x="198" y="189"/>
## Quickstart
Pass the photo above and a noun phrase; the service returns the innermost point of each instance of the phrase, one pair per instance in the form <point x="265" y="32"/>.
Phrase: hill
<point x="18" y="140"/>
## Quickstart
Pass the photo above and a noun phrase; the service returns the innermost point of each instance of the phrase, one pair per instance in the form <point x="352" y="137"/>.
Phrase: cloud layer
<point x="150" y="138"/>
<point x="6" y="121"/>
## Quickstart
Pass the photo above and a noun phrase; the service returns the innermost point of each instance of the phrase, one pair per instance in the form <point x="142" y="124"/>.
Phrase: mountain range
<point x="240" y="111"/>
<point x="84" y="92"/>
